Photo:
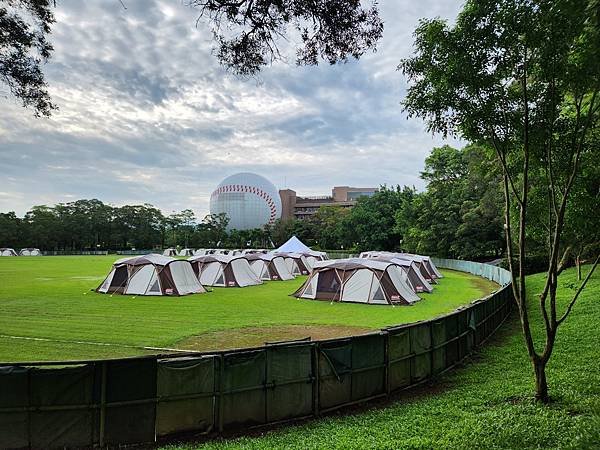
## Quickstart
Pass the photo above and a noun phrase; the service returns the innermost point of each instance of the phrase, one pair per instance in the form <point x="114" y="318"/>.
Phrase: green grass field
<point x="47" y="312"/>
<point x="487" y="404"/>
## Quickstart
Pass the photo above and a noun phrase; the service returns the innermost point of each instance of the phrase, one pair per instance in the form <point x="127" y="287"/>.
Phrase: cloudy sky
<point x="148" y="116"/>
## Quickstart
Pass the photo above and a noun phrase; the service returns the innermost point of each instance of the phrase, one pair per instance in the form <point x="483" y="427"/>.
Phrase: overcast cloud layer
<point x="148" y="116"/>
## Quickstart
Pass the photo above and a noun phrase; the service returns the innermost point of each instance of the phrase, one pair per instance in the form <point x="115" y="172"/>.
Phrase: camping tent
<point x="170" y="252"/>
<point x="269" y="266"/>
<point x="416" y="280"/>
<point x="296" y="263"/>
<point x="428" y="263"/>
<point x="30" y="252"/>
<point x="185" y="252"/>
<point x="7" y="252"/>
<point x="424" y="263"/>
<point x="151" y="275"/>
<point x="224" y="270"/>
<point x="358" y="280"/>
<point x="251" y="251"/>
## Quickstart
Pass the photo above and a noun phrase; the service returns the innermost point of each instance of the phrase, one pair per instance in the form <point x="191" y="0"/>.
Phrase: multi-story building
<point x="294" y="206"/>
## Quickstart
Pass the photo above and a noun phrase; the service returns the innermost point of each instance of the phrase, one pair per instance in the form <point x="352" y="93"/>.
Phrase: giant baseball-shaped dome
<point x="249" y="200"/>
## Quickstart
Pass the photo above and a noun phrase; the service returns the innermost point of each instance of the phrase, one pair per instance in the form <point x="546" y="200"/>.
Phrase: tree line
<point x="458" y="215"/>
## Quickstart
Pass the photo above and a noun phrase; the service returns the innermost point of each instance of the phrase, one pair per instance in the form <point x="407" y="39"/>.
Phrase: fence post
<point x="316" y="380"/>
<point x="219" y="402"/>
<point x="386" y="359"/>
<point x="102" y="403"/>
<point x="266" y="384"/>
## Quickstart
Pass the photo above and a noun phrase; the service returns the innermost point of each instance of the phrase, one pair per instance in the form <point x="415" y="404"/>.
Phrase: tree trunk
<point x="578" y="262"/>
<point x="541" y="385"/>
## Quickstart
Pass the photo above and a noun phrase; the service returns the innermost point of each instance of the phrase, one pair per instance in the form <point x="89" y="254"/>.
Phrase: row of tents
<point x="211" y="251"/>
<point x="373" y="278"/>
<point x="163" y="275"/>
<point x="5" y="251"/>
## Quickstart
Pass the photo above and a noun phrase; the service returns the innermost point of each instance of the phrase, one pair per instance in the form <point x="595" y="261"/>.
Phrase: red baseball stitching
<point x="250" y="189"/>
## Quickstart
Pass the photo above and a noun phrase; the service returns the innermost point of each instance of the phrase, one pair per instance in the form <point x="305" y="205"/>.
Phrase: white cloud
<point x="147" y="115"/>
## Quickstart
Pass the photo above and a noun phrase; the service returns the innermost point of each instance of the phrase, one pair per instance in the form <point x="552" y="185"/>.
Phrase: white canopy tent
<point x="224" y="271"/>
<point x="295" y="245"/>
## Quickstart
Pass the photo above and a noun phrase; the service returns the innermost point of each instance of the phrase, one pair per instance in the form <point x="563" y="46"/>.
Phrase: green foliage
<point x="486" y="404"/>
<point x="522" y="77"/>
<point x="24" y="26"/>
<point x="49" y="297"/>
<point x="459" y="214"/>
<point x="372" y="220"/>
<point x="333" y="31"/>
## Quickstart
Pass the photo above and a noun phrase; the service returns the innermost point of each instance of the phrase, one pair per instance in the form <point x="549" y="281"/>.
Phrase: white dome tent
<point x="170" y="252"/>
<point x="358" y="280"/>
<point x="415" y="278"/>
<point x="424" y="263"/>
<point x="151" y="275"/>
<point x="224" y="271"/>
<point x="7" y="252"/>
<point x="269" y="266"/>
<point x="296" y="263"/>
<point x="185" y="252"/>
<point x="30" y="252"/>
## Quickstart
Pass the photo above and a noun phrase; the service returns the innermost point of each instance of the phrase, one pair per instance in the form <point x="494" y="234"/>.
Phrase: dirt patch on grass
<point x="257" y="336"/>
<point x="484" y="285"/>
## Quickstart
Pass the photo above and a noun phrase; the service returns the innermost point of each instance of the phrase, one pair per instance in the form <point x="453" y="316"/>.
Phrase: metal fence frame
<point x="139" y="399"/>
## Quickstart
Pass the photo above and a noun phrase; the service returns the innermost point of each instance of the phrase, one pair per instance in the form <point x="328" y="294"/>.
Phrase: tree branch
<point x="572" y="302"/>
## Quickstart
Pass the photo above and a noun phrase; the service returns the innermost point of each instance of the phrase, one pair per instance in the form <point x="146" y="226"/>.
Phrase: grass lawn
<point x="47" y="312"/>
<point x="487" y="404"/>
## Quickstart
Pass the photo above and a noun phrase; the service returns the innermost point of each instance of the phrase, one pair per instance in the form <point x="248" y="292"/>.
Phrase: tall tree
<point x="24" y="27"/>
<point x="372" y="220"/>
<point x="11" y="230"/>
<point x="523" y="77"/>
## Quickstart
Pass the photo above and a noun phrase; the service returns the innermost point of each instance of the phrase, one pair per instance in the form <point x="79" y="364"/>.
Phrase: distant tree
<point x="372" y="220"/>
<point x="330" y="227"/>
<point x="44" y="228"/>
<point x="11" y="230"/>
<point x="480" y="232"/>
<point x="445" y="172"/>
<point x="24" y="27"/>
<point x="214" y="229"/>
<point x="521" y="77"/>
<point x="180" y="228"/>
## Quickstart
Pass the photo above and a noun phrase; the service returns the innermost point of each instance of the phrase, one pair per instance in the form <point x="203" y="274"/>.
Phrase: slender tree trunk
<point x="541" y="385"/>
<point x="578" y="262"/>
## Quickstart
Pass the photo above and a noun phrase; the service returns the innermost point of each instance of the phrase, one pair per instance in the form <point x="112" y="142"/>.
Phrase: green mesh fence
<point x="137" y="400"/>
<point x="186" y="394"/>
